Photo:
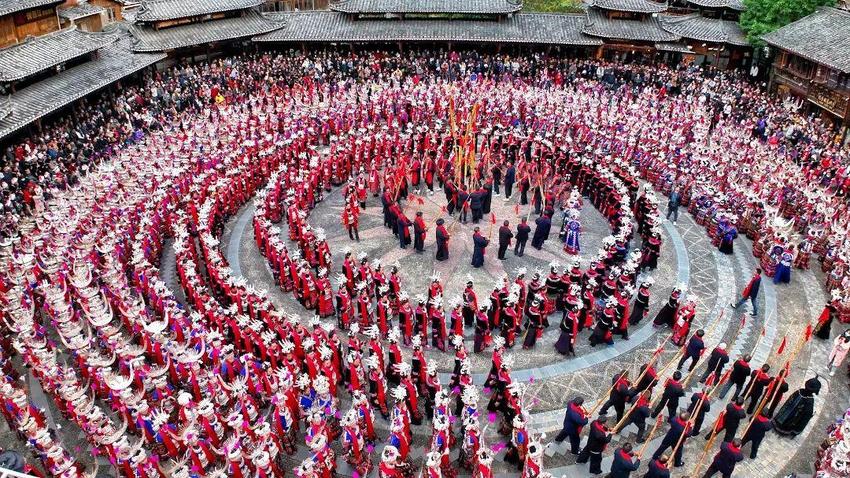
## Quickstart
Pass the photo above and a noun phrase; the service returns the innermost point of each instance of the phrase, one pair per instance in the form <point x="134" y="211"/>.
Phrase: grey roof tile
<point x="35" y="101"/>
<point x="5" y="107"/>
<point x="649" y="29"/>
<point x="159" y="10"/>
<point x="426" y="6"/>
<point x="520" y="28"/>
<point x="13" y="6"/>
<point x="250" y="24"/>
<point x="731" y="4"/>
<point x="80" y="10"/>
<point x="639" y="6"/>
<point x="36" y="54"/>
<point x="697" y="27"/>
<point x="822" y="37"/>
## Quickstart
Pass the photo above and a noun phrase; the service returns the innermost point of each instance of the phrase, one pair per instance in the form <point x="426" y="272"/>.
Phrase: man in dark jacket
<point x="442" y="240"/>
<point x="751" y="293"/>
<point x="673" y="391"/>
<point x="759" y="382"/>
<point x="505" y="236"/>
<point x="761" y="425"/>
<point x="541" y="233"/>
<point x="731" y="418"/>
<point x="639" y="414"/>
<point x="619" y="395"/>
<point x="575" y="418"/>
<point x="678" y="426"/>
<point x="658" y="468"/>
<point x="625" y="462"/>
<point x="476" y="203"/>
<point x="716" y="363"/>
<point x="700" y="405"/>
<point x="597" y="440"/>
<point x="738" y="376"/>
<point x="693" y="351"/>
<point x="522" y="231"/>
<point x="673" y="205"/>
<point x="479" y="242"/>
<point x="510" y="178"/>
<point x="419" y="231"/>
<point x="725" y="460"/>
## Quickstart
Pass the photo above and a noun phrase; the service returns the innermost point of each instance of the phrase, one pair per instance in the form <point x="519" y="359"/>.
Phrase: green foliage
<point x="765" y="16"/>
<point x="557" y="6"/>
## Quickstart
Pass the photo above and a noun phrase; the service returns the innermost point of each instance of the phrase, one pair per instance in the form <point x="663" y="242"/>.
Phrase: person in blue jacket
<point x="480" y="242"/>
<point x="751" y="293"/>
<point x="575" y="419"/>
<point x="625" y="462"/>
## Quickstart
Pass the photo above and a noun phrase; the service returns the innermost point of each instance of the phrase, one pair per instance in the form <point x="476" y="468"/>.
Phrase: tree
<point x="558" y="6"/>
<point x="765" y="16"/>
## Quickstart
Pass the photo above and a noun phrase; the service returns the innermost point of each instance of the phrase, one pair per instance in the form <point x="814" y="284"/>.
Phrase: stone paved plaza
<point x="687" y="257"/>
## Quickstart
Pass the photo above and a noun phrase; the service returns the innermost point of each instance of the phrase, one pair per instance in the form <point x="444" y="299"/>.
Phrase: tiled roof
<point x="649" y="29"/>
<point x="426" y="6"/>
<point x="731" y="4"/>
<point x="250" y="24"/>
<point x="114" y="62"/>
<point x="639" y="6"/>
<point x="697" y="27"/>
<point x="822" y="37"/>
<point x="159" y="10"/>
<point x="80" y="10"/>
<point x="5" y="107"/>
<point x="13" y="6"/>
<point x="520" y="28"/>
<point x="39" y="53"/>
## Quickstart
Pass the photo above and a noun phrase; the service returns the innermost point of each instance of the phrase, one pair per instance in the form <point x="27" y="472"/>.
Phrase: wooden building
<point x="86" y="16"/>
<point x="812" y="65"/>
<point x="294" y="5"/>
<point x="20" y="19"/>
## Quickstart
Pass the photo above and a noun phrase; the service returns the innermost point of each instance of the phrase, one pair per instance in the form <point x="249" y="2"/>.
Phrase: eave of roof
<point x="7" y="7"/>
<point x="40" y="53"/>
<point x="427" y="6"/>
<point x="116" y="61"/>
<point x="648" y="29"/>
<point x="162" y="10"/>
<point x="560" y="29"/>
<point x="251" y="24"/>
<point x="80" y="10"/>
<point x="699" y="28"/>
<point x="730" y="4"/>
<point x="822" y="37"/>
<point x="635" y="6"/>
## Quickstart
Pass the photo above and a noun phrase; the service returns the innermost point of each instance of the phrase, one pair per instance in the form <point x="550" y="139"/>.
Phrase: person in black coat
<point x="693" y="350"/>
<point x="541" y="233"/>
<point x="442" y="240"/>
<point x="759" y="382"/>
<point x="419" y="230"/>
<point x="625" y="462"/>
<point x="640" y="412"/>
<point x="505" y="236"/>
<point x="597" y="440"/>
<point x="510" y="178"/>
<point x="403" y="224"/>
<point x="619" y="395"/>
<point x="737" y="377"/>
<point x="673" y="391"/>
<point x="658" y="468"/>
<point x="701" y="400"/>
<point x="732" y="417"/>
<point x="761" y="425"/>
<point x="716" y="363"/>
<point x="476" y="203"/>
<point x="463" y="201"/>
<point x="480" y="243"/>
<point x="725" y="460"/>
<point x="496" y="172"/>
<point x="522" y="231"/>
<point x="678" y="425"/>
<point x="575" y="418"/>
